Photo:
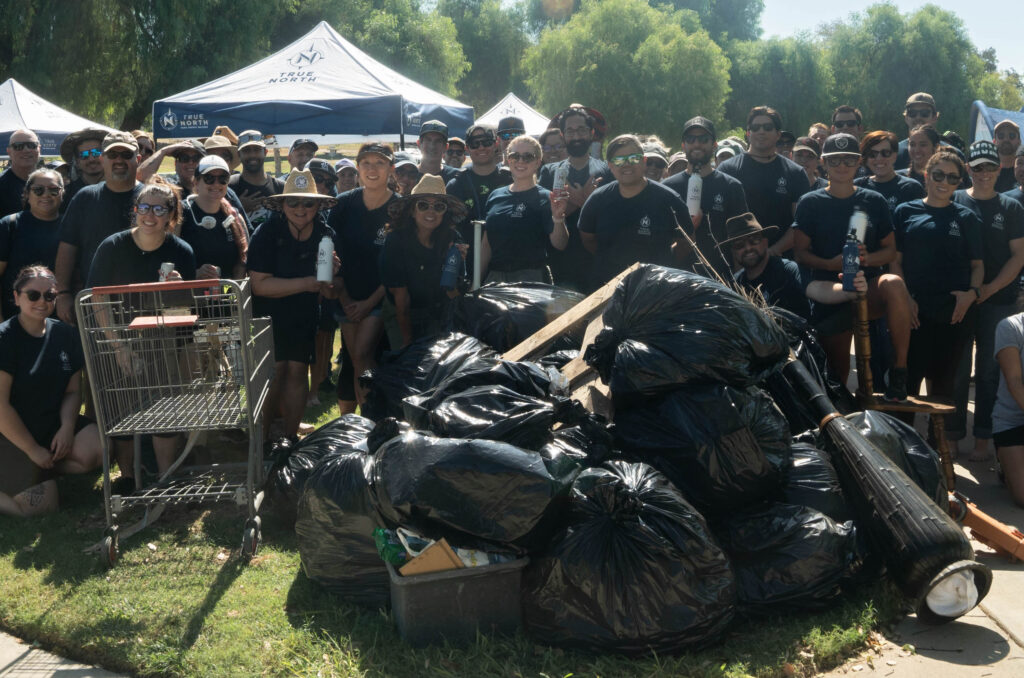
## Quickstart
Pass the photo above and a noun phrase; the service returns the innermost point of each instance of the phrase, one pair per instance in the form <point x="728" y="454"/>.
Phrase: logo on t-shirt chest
<point x="997" y="222"/>
<point x="519" y="211"/>
<point x="892" y="202"/>
<point x="645" y="226"/>
<point x="65" y="361"/>
<point x="954" y="229"/>
<point x="719" y="203"/>
<point x="382" y="234"/>
<point x="780" y="186"/>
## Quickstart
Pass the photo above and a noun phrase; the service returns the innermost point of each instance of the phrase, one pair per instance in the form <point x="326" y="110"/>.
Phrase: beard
<point x="252" y="165"/>
<point x="577" y="147"/>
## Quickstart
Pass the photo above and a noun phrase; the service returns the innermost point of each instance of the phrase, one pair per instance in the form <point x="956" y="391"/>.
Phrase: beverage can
<point x="561" y="178"/>
<point x="165" y="270"/>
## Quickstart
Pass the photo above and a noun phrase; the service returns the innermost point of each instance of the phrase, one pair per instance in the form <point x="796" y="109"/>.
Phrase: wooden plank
<point x="535" y="345"/>
<point x="149" y="322"/>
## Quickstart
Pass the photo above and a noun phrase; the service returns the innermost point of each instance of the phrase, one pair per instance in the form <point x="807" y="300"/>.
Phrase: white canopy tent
<point x="511" y="105"/>
<point x="20" y="108"/>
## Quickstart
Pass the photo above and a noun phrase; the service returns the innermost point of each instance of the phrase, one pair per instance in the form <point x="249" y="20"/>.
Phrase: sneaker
<point x="123" y="486"/>
<point x="897" y="390"/>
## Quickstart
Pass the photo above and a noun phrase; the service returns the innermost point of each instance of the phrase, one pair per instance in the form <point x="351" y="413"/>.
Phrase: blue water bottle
<point x="851" y="262"/>
<point x="454" y="268"/>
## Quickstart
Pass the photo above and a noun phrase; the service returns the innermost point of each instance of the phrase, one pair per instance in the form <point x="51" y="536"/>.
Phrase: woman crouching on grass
<point x="41" y="432"/>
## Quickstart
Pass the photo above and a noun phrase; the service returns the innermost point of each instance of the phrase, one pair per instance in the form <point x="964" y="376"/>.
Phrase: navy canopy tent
<point x="984" y="119"/>
<point x="321" y="84"/>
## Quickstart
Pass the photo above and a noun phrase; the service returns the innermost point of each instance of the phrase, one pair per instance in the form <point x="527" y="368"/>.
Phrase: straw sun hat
<point x="299" y="185"/>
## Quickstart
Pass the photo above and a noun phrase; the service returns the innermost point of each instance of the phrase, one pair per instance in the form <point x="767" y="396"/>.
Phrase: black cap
<point x="785" y="136"/>
<point x="807" y="144"/>
<point x="841" y="144"/>
<point x="304" y="142"/>
<point x="703" y="123"/>
<point x="511" y="123"/>
<point x="320" y="165"/>
<point x="434" y="126"/>
<point x="982" y="152"/>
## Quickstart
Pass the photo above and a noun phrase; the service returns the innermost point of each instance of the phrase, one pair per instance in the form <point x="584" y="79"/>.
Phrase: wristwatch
<point x="977" y="291"/>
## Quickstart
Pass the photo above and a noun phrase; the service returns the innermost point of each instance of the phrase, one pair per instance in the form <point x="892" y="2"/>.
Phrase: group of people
<point x="941" y="248"/>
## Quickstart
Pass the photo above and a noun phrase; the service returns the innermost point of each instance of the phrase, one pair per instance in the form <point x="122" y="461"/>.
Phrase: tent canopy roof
<point x="983" y="120"/>
<point x="21" y="108"/>
<point x="510" y="104"/>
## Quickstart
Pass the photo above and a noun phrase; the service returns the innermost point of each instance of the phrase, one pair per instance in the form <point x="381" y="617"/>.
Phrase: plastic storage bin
<point x="452" y="605"/>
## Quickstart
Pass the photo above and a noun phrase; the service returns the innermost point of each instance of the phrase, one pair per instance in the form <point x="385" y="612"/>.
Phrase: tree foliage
<point x="727" y="19"/>
<point x="646" y="69"/>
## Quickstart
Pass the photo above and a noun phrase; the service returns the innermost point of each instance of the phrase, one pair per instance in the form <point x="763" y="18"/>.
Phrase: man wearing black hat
<point x="253" y="184"/>
<point x="1006" y="137"/>
<point x="777" y="279"/>
<point x="721" y="195"/>
<point x="822" y="222"/>
<point x="1002" y="246"/>
<point x="301" y="152"/>
<point x="433" y="143"/>
<point x="784" y="146"/>
<point x="509" y="128"/>
<point x="81" y="150"/>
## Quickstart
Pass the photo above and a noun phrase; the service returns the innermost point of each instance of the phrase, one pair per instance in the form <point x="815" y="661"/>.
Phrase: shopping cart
<point x="178" y="357"/>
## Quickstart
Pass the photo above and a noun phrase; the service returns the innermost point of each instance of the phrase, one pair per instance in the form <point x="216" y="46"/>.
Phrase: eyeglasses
<point x="439" y="207"/>
<point x="407" y="171"/>
<point x="583" y="131"/>
<point x="91" y="153"/>
<point x="210" y="179"/>
<point x="480" y="142"/>
<point x="631" y="159"/>
<point x="763" y="127"/>
<point x="1002" y="136"/>
<point x="747" y="242"/>
<point x="22" y="145"/>
<point x="654" y="162"/>
<point x="845" y="161"/>
<point x="157" y="210"/>
<point x="521" y="157"/>
<point x="308" y="203"/>
<point x="938" y="176"/>
<point x="887" y="153"/>
<point x="919" y="113"/>
<point x="840" y="124"/>
<point x="48" y="296"/>
<point x="986" y="167"/>
<point x="697" y="138"/>
<point x="456" y="151"/>
<point x="553" y="148"/>
<point x="508" y="136"/>
<point x="190" y="158"/>
<point x="119" y="155"/>
<point x="52" y="190"/>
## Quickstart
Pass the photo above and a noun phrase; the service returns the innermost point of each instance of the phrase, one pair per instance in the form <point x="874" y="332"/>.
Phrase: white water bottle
<point x="694" y="190"/>
<point x="859" y="224"/>
<point x="325" y="260"/>
<point x="561" y="177"/>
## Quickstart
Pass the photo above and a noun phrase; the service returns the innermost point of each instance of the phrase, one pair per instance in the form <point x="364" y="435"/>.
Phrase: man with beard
<point x="82" y="151"/>
<point x="1018" y="172"/>
<point x="254" y="184"/>
<point x="455" y="154"/>
<point x="23" y="150"/>
<point x="1006" y="136"/>
<point x="301" y="152"/>
<point x="775" y="278"/>
<point x="571" y="267"/>
<point x="433" y="143"/>
<point x="96" y="212"/>
<point x="721" y="195"/>
<point x="772" y="184"/>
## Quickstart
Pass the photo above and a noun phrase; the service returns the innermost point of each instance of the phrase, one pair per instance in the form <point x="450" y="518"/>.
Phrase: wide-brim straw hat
<point x="217" y="142"/>
<point x="429" y="186"/>
<point x="71" y="141"/>
<point x="299" y="184"/>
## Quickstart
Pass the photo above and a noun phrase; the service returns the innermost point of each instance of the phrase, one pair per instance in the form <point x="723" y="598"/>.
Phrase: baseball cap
<point x="376" y="149"/>
<point x="920" y="98"/>
<point x="212" y="162"/>
<point x="456" y="140"/>
<point x="1006" y="122"/>
<point x="703" y="123"/>
<point x="321" y="165"/>
<point x="481" y="128"/>
<point x="840" y="144"/>
<point x="251" y="137"/>
<point x="511" y="123"/>
<point x="434" y="126"/>
<point x="403" y="158"/>
<point x="982" y="152"/>
<point x="303" y="142"/>
<point x="655" y="151"/>
<point x="120" y="139"/>
<point x="807" y="144"/>
<point x="344" y="163"/>
<point x="787" y="137"/>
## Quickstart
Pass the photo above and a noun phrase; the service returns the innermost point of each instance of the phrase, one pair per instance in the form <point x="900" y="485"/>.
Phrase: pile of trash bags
<point x="704" y="502"/>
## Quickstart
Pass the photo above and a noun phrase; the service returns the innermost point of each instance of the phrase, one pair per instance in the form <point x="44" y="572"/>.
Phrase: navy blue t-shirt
<point x="518" y="228"/>
<point x="214" y="245"/>
<point x="359" y="237"/>
<point x="474" y="190"/>
<point x="826" y="221"/>
<point x="93" y="214"/>
<point x="41" y="368"/>
<point x="274" y="250"/>
<point x="771" y="188"/>
<point x="1006" y="181"/>
<point x="12" y="190"/>
<point x="404" y="262"/>
<point x="781" y="285"/>
<point x="938" y="245"/>
<point x="629" y="230"/>
<point x="721" y="199"/>
<point x="1002" y="220"/>
<point x="896" y="191"/>
<point x="1016" y="194"/>
<point x="24" y="240"/>
<point x="120" y="261"/>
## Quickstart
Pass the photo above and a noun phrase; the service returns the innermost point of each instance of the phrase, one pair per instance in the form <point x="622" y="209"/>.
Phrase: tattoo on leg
<point x="36" y="495"/>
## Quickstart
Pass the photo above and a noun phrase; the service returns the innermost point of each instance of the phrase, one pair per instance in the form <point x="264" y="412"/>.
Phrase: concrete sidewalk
<point x="19" y="659"/>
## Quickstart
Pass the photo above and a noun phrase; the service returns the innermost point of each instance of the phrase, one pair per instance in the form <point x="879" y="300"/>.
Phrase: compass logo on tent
<point x="169" y="120"/>
<point x="306" y="57"/>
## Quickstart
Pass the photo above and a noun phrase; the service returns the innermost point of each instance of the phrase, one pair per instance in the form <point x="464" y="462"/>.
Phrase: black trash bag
<point x="293" y="466"/>
<point x="418" y="367"/>
<point x="529" y="379"/>
<point x="386" y="429"/>
<point x="466" y="490"/>
<point x="804" y="344"/>
<point x="496" y="413"/>
<point x="710" y="440"/>
<point x="634" y="571"/>
<point x="664" y="327"/>
<point x="787" y="558"/>
<point x="575" y="448"/>
<point x="811" y="480"/>
<point x="904" y="446"/>
<point x="559" y="359"/>
<point x="502" y="315"/>
<point x="335" y="525"/>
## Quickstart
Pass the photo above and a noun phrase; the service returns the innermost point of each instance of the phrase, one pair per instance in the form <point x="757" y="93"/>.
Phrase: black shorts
<point x="295" y="341"/>
<point x="1010" y="438"/>
<point x="19" y="472"/>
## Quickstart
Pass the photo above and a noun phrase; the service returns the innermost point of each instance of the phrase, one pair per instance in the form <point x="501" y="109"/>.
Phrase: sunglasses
<point x="146" y="150"/>
<point x="322" y="179"/>
<point x="840" y="124"/>
<point x="480" y="142"/>
<point x="919" y="113"/>
<point x="52" y="190"/>
<point x="659" y="164"/>
<point x="455" y="151"/>
<point x="938" y="176"/>
<point x="697" y="138"/>
<point x="523" y="157"/>
<point x="119" y="155"/>
<point x="210" y="179"/>
<point x="887" y="153"/>
<point x="507" y="136"/>
<point x="308" y="203"/>
<point x="986" y="167"/>
<point x="764" y="127"/>
<point x="91" y="153"/>
<point x="631" y="159"/>
<point x="747" y="242"/>
<point x="1003" y="136"/>
<point x="554" y="148"/>
<point x="845" y="161"/>
<point x="22" y="145"/>
<point x="157" y="210"/>
<point x="191" y="158"/>
<point x="49" y="296"/>
<point x="424" y="205"/>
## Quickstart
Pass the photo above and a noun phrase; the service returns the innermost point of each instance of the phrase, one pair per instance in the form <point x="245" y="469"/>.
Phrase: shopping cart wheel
<point x="109" y="551"/>
<point x="251" y="537"/>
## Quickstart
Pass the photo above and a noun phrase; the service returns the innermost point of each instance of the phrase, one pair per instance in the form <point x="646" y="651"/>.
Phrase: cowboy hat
<point x="71" y="141"/>
<point x="217" y="142"/>
<point x="744" y="225"/>
<point x="299" y="184"/>
<point x="429" y="186"/>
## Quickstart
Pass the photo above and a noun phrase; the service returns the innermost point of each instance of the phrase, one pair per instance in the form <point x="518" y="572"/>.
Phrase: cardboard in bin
<point x="437" y="557"/>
